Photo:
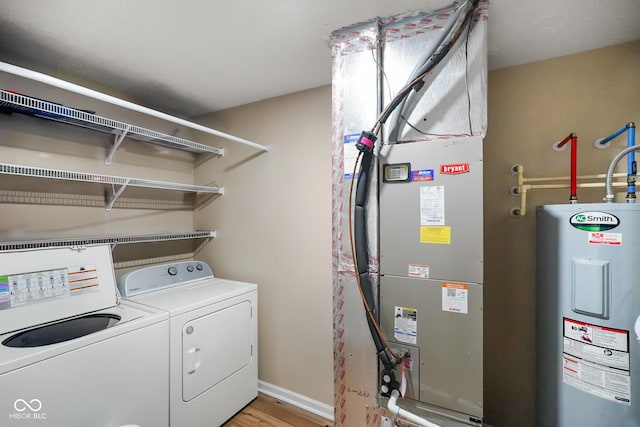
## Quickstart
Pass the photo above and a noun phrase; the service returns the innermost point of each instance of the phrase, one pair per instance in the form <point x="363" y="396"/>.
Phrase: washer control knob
<point x="190" y="268"/>
<point x="199" y="267"/>
<point x="172" y="271"/>
<point x="189" y="330"/>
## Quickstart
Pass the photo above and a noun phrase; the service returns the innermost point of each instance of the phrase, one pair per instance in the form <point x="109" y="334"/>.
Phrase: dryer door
<point x="214" y="347"/>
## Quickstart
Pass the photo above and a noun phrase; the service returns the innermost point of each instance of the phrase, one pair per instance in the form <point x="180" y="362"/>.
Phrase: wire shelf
<point x="11" y="101"/>
<point x="101" y="240"/>
<point x="10" y="169"/>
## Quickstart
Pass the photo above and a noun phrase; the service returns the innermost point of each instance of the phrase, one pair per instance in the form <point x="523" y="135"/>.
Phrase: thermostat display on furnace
<point x="398" y="172"/>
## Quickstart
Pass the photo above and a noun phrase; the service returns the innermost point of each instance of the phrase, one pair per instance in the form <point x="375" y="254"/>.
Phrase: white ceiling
<point x="188" y="57"/>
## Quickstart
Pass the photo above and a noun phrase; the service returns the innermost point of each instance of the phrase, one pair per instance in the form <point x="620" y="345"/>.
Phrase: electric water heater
<point x="588" y="305"/>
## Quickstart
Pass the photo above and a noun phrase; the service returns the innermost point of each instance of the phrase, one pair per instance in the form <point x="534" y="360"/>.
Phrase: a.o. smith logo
<point x="594" y="221"/>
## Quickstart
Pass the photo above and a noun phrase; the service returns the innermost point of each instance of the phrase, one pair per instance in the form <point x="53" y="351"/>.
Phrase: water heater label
<point x="594" y="221"/>
<point x="405" y="326"/>
<point x="595" y="359"/>
<point x="599" y="238"/>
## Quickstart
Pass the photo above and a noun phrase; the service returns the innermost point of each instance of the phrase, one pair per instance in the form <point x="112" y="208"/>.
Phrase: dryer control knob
<point x="189" y="330"/>
<point x="172" y="271"/>
<point x="199" y="267"/>
<point x="190" y="268"/>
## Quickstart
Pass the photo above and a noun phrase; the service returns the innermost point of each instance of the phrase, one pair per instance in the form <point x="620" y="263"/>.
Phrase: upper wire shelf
<point x="16" y="102"/>
<point x="71" y="87"/>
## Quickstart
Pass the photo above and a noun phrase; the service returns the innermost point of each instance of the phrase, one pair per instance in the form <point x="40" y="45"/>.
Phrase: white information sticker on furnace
<point x="600" y="238"/>
<point x="595" y="359"/>
<point x="419" y="271"/>
<point x="455" y="297"/>
<point x="405" y="325"/>
<point x="432" y="205"/>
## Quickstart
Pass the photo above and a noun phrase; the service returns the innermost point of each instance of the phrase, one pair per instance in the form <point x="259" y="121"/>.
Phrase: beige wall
<point x="530" y="107"/>
<point x="274" y="229"/>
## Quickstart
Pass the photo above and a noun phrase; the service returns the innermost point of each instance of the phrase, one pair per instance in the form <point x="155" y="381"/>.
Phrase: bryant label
<point x="594" y="221"/>
<point x="454" y="169"/>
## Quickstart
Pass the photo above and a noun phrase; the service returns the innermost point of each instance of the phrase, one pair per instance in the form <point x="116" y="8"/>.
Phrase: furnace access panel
<point x="431" y="268"/>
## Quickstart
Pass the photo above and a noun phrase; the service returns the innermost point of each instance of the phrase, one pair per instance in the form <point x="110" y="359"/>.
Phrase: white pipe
<point x="583" y="185"/>
<point x="62" y="84"/>
<point x="523" y="191"/>
<point x="398" y="411"/>
<point x="566" y="178"/>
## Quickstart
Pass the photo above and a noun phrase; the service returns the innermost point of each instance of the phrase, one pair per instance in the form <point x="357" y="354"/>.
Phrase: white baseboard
<point x="296" y="399"/>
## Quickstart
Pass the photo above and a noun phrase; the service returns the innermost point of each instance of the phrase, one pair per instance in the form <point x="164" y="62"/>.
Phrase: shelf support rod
<point x="117" y="194"/>
<point x="62" y="84"/>
<point x="116" y="144"/>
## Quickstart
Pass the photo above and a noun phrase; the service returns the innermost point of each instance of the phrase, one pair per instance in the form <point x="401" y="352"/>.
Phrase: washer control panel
<point x="163" y="276"/>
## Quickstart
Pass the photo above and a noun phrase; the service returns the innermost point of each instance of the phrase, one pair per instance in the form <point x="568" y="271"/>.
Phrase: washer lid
<point x="194" y="295"/>
<point x="44" y="285"/>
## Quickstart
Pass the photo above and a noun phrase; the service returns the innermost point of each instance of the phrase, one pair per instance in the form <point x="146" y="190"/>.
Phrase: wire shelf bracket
<point x="116" y="144"/>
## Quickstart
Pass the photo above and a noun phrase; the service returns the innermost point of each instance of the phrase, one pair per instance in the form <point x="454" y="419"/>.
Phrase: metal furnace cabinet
<point x="431" y="270"/>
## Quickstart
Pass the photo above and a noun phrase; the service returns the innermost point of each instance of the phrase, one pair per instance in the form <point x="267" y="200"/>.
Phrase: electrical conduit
<point x="609" y="178"/>
<point x="630" y="128"/>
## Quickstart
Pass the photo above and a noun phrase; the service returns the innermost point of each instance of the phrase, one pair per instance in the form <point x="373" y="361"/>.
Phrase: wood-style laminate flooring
<point x="267" y="411"/>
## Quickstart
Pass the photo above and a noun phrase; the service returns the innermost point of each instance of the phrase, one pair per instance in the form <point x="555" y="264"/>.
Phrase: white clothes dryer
<point x="71" y="353"/>
<point x="213" y="347"/>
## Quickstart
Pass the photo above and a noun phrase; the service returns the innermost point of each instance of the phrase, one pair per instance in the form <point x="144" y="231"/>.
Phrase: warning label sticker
<point x="436" y="235"/>
<point x="405" y="327"/>
<point x="616" y="339"/>
<point x="595" y="359"/>
<point x="455" y="297"/>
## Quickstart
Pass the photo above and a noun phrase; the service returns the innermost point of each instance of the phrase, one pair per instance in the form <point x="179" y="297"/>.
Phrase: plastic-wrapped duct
<point x="454" y="104"/>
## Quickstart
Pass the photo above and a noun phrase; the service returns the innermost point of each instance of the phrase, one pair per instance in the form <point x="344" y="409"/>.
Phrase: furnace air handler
<point x="588" y="303"/>
<point x="431" y="267"/>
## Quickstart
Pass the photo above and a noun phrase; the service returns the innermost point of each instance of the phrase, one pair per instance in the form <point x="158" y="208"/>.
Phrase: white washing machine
<point x="213" y="347"/>
<point x="71" y="353"/>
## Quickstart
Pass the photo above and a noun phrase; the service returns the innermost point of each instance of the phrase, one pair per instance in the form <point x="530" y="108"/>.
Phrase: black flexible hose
<point x="362" y="258"/>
